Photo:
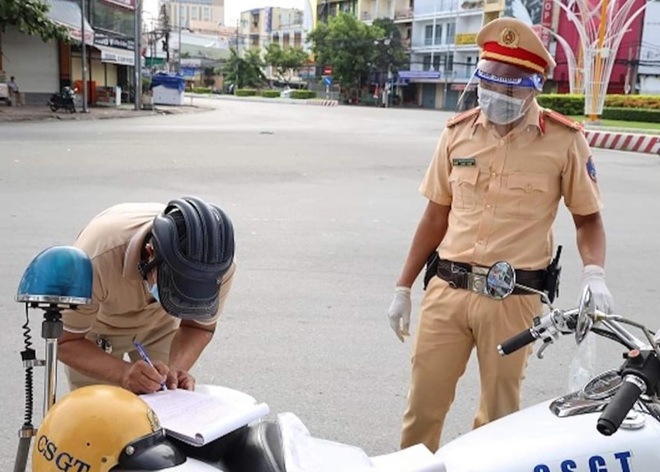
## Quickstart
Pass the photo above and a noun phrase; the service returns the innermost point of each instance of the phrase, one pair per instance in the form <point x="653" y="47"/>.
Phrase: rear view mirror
<point x="586" y="313"/>
<point x="500" y="280"/>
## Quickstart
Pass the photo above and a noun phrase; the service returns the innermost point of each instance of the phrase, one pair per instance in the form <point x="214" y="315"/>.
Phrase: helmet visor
<point x="508" y="75"/>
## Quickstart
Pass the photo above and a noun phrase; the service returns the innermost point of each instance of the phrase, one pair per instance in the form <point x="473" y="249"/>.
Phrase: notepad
<point x="199" y="418"/>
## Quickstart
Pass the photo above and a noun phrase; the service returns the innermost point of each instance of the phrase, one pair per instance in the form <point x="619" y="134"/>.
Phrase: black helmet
<point x="194" y="249"/>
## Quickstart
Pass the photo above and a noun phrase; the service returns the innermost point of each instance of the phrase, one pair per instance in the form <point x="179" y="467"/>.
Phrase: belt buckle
<point x="477" y="283"/>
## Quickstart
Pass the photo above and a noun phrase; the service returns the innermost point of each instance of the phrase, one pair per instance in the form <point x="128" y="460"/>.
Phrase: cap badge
<point x="509" y="38"/>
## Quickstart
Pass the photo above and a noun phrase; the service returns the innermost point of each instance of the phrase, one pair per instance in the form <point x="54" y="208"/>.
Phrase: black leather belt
<point x="461" y="275"/>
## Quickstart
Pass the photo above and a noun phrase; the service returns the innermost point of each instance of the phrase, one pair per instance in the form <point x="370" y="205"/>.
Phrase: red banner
<point x="546" y="21"/>
<point x="128" y="4"/>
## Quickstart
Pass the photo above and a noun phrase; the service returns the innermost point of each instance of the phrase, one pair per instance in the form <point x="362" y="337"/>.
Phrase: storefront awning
<point x="116" y="56"/>
<point x="67" y="13"/>
<point x="419" y="74"/>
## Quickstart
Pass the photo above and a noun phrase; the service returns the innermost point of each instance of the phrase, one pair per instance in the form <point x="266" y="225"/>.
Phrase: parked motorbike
<point x="611" y="424"/>
<point x="60" y="278"/>
<point x="64" y="99"/>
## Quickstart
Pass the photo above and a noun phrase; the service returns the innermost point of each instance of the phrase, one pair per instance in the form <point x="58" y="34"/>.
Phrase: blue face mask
<point x="153" y="290"/>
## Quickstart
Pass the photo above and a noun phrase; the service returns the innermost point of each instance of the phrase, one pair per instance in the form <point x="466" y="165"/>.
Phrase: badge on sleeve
<point x="591" y="169"/>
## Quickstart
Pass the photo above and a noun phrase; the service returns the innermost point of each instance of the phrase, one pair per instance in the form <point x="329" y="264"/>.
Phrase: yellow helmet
<point x="96" y="428"/>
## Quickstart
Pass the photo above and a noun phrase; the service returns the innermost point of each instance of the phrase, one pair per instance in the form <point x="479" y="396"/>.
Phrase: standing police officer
<point x="493" y="186"/>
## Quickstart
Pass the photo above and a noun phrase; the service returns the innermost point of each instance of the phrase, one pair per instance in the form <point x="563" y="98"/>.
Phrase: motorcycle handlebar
<point x="519" y="341"/>
<point x="622" y="402"/>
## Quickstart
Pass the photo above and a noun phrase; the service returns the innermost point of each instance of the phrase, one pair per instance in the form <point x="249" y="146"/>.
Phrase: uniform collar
<point x="134" y="250"/>
<point x="533" y="118"/>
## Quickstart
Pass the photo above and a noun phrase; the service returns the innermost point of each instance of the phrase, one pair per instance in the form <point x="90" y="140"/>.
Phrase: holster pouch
<point x="431" y="268"/>
<point x="553" y="273"/>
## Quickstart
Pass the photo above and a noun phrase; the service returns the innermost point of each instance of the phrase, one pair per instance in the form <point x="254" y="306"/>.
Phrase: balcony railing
<point x="406" y="14"/>
<point x="457" y="73"/>
<point x="436" y="7"/>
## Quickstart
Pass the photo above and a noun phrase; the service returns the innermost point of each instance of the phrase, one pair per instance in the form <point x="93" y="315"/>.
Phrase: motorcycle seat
<point x="254" y="448"/>
<point x="260" y="450"/>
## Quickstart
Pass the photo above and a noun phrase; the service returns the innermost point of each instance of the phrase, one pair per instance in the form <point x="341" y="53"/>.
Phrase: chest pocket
<point x="525" y="195"/>
<point x="463" y="180"/>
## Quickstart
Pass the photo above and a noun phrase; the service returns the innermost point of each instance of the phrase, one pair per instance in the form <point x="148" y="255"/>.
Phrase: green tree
<point x="390" y="53"/>
<point x="349" y="46"/>
<point x="30" y="17"/>
<point x="286" y="61"/>
<point x="244" y="72"/>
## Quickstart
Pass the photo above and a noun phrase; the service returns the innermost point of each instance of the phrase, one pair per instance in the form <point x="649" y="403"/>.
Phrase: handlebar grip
<point x="519" y="341"/>
<point x="622" y="402"/>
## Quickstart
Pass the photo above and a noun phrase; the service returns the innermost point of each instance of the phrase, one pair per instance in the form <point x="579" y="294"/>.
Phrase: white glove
<point x="593" y="276"/>
<point x="399" y="312"/>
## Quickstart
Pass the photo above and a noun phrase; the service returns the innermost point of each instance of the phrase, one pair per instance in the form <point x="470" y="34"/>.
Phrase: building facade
<point x="646" y="77"/>
<point x="207" y="14"/>
<point x="44" y="68"/>
<point x="262" y="26"/>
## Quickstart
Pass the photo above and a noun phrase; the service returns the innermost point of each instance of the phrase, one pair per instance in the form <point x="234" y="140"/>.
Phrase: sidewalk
<point x="43" y="113"/>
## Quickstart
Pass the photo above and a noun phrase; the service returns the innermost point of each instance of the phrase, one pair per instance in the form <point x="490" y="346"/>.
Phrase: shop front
<point x="43" y="68"/>
<point x="115" y="59"/>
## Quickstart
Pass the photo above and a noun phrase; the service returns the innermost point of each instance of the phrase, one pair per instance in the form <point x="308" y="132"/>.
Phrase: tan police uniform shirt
<point x="504" y="191"/>
<point x="121" y="303"/>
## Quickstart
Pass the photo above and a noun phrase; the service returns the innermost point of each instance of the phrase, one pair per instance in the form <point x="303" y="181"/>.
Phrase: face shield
<point x="504" y="92"/>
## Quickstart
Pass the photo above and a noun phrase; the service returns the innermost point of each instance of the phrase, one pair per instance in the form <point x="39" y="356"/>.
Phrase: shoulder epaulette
<point x="564" y="120"/>
<point x="454" y="120"/>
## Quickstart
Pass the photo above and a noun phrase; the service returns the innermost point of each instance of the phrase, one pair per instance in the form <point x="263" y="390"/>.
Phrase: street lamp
<point x="387" y="42"/>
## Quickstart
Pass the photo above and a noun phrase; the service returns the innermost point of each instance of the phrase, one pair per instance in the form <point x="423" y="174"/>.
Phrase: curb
<point x="645" y="143"/>
<point x="323" y="103"/>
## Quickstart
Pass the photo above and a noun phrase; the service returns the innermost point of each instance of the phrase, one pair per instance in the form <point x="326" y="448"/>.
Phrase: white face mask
<point x="498" y="108"/>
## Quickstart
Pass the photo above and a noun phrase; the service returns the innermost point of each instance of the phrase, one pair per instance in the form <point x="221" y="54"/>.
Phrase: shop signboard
<point x="464" y="39"/>
<point x="117" y="58"/>
<point x="114" y="42"/>
<point x="129" y="4"/>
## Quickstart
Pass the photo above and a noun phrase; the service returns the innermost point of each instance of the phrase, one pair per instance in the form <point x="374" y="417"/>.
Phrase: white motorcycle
<point x="610" y="425"/>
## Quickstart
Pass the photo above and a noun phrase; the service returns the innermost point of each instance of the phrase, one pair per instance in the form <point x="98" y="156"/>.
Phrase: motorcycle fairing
<point x="536" y="440"/>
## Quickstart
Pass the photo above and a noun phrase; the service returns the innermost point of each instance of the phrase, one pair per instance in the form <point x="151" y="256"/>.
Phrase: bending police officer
<point x="162" y="274"/>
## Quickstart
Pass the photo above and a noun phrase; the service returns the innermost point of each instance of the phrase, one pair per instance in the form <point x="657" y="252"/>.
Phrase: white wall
<point x="649" y="85"/>
<point x="33" y="62"/>
<point x="649" y="54"/>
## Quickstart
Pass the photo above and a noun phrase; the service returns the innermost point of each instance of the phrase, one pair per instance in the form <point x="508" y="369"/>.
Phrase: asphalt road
<point x="324" y="202"/>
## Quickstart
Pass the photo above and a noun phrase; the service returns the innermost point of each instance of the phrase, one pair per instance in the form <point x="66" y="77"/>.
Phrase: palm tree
<point x="244" y="72"/>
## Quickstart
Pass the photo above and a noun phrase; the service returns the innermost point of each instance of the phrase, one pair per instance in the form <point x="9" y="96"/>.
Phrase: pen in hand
<point x="145" y="358"/>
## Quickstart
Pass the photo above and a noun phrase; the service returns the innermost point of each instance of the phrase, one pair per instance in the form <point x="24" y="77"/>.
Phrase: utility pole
<point x="238" y="55"/>
<point x="178" y="64"/>
<point x="138" y="55"/>
<point x="84" y="57"/>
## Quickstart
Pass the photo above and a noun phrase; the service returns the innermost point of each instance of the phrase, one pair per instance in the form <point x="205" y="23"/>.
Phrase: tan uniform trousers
<point x="156" y="342"/>
<point x="452" y="322"/>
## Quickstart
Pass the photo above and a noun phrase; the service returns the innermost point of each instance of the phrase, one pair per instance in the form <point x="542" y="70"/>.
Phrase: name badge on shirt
<point x="464" y="161"/>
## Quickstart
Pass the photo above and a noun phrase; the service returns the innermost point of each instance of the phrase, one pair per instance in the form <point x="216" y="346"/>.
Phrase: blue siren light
<point x="58" y="275"/>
